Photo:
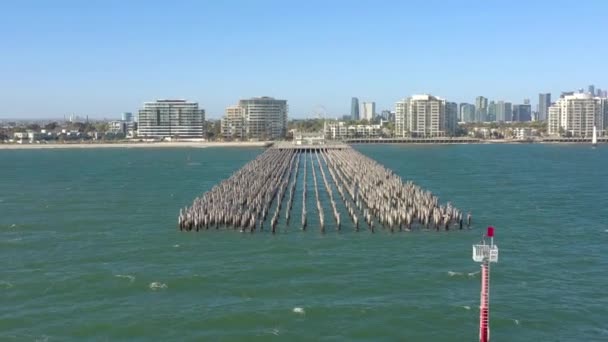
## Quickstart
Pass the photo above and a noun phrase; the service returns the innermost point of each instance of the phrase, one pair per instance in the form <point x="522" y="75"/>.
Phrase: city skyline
<point x="107" y="58"/>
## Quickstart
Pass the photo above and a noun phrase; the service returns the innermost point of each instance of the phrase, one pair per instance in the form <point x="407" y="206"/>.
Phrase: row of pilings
<point x="371" y="195"/>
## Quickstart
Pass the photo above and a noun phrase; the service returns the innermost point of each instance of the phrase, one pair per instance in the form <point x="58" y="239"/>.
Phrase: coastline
<point x="179" y="144"/>
<point x="188" y="144"/>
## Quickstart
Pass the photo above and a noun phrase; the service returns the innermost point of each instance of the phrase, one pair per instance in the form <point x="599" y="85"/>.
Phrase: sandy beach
<point x="134" y="145"/>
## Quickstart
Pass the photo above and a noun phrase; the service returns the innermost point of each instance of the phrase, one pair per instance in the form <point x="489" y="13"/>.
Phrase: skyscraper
<point x="481" y="109"/>
<point x="369" y="110"/>
<point x="127" y="116"/>
<point x="522" y="112"/>
<point x="544" y="102"/>
<point x="424" y="116"/>
<point x="451" y="118"/>
<point x="171" y="119"/>
<point x="504" y="111"/>
<point x="491" y="112"/>
<point x="467" y="112"/>
<point x="354" y="109"/>
<point x="591" y="90"/>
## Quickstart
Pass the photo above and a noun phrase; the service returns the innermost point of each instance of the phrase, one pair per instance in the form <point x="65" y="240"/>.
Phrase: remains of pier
<point x="343" y="180"/>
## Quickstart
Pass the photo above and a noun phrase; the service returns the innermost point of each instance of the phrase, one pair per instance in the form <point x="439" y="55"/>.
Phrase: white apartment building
<point x="368" y="110"/>
<point x="424" y="116"/>
<point x="171" y="119"/>
<point x="265" y="117"/>
<point x="576" y="114"/>
<point x="339" y="130"/>
<point x="233" y="123"/>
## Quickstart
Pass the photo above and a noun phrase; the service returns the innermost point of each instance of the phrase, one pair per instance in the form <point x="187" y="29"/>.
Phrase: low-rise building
<point x="340" y="130"/>
<point x="523" y="133"/>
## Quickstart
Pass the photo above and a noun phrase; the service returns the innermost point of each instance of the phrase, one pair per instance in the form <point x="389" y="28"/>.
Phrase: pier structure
<point x="485" y="254"/>
<point x="343" y="181"/>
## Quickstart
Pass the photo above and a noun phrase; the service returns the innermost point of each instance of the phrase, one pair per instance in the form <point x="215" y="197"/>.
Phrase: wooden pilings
<point x="256" y="194"/>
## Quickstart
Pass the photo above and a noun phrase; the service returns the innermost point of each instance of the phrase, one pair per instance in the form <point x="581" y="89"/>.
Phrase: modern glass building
<point x="171" y="119"/>
<point x="504" y="111"/>
<point x="544" y="102"/>
<point x="354" y="109"/>
<point x="522" y="112"/>
<point x="467" y="112"/>
<point x="481" y="109"/>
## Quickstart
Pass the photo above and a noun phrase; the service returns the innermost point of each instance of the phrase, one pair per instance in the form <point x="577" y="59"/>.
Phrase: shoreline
<point x="186" y="144"/>
<point x="133" y="145"/>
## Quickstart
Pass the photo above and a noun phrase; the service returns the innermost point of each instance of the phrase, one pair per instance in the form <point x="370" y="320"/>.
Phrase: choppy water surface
<point x="90" y="250"/>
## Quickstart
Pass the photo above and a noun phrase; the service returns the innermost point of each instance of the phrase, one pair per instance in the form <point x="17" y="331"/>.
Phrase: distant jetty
<point x="345" y="183"/>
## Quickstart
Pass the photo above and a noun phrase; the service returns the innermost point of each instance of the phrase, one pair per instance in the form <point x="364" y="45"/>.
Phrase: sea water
<point x="90" y="250"/>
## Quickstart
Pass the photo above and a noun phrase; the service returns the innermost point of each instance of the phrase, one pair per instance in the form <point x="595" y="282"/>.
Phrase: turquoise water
<point x="91" y="251"/>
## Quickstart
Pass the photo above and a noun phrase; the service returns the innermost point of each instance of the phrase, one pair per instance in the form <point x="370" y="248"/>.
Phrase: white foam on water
<point x="472" y="274"/>
<point x="176" y="246"/>
<point x="299" y="310"/>
<point x="127" y="276"/>
<point x="466" y="307"/>
<point x="516" y="321"/>
<point x="155" y="285"/>
<point x="5" y="285"/>
<point x="275" y="332"/>
<point x="453" y="274"/>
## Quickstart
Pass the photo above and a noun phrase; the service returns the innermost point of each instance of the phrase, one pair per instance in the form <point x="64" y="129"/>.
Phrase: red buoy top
<point x="490" y="231"/>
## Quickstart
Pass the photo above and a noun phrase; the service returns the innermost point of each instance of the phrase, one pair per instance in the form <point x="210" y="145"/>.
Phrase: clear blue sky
<point x="100" y="58"/>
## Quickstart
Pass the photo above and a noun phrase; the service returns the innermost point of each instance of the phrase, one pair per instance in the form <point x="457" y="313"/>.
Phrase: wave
<point x="155" y="285"/>
<point x="461" y="274"/>
<point x="176" y="246"/>
<point x="466" y="307"/>
<point x="5" y="285"/>
<point x="299" y="310"/>
<point x="128" y="276"/>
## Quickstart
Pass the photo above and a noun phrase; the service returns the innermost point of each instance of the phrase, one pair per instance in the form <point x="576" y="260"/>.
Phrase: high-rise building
<point x="598" y="92"/>
<point x="522" y="112"/>
<point x="605" y="94"/>
<point x="265" y="117"/>
<point x="233" y="123"/>
<point x="467" y="112"/>
<point x="424" y="116"/>
<point x="526" y="101"/>
<point x="481" y="109"/>
<point x="504" y="111"/>
<point x="591" y="90"/>
<point x="354" y="109"/>
<point x="451" y="118"/>
<point x="369" y="110"/>
<point x="127" y="117"/>
<point x="576" y="114"/>
<point x="544" y="102"/>
<point x="171" y="119"/>
<point x="491" y="112"/>
<point x="385" y="115"/>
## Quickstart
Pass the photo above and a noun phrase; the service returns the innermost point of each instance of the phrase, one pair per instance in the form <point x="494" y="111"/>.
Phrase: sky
<point x="102" y="58"/>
